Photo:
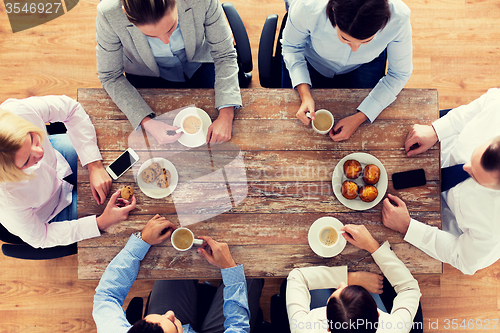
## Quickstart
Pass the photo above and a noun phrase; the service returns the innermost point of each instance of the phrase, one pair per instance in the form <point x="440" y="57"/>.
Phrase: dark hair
<point x="354" y="303"/>
<point x="143" y="326"/>
<point x="360" y="19"/>
<point x="490" y="160"/>
<point x="141" y="12"/>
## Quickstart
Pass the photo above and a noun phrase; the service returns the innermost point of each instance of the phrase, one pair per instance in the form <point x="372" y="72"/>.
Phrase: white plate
<point x="338" y="178"/>
<point x="150" y="189"/>
<point x="314" y="230"/>
<point x="197" y="140"/>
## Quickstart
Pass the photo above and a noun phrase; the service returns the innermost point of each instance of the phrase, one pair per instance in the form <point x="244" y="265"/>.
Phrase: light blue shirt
<point x="309" y="34"/>
<point x="121" y="273"/>
<point x="171" y="58"/>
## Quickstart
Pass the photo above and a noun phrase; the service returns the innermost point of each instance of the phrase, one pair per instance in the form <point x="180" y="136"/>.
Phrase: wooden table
<point x="288" y="167"/>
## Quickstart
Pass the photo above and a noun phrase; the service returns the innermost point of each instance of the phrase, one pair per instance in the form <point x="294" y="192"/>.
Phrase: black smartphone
<point x="119" y="166"/>
<point x="411" y="178"/>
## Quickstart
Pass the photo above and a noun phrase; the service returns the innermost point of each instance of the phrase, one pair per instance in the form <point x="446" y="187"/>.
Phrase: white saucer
<point x="150" y="189"/>
<point x="197" y="140"/>
<point x="312" y="237"/>
<point x="338" y="178"/>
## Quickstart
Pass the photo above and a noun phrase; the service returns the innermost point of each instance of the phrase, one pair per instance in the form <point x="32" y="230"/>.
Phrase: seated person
<point x="172" y="306"/>
<point x="167" y="44"/>
<point x="345" y="44"/>
<point x="471" y="209"/>
<point x="38" y="174"/>
<point x="351" y="306"/>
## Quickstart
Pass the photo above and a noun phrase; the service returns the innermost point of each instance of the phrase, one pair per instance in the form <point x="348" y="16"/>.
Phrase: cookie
<point x="148" y="175"/>
<point x="167" y="175"/>
<point x="127" y="192"/>
<point x="156" y="168"/>
<point x="161" y="181"/>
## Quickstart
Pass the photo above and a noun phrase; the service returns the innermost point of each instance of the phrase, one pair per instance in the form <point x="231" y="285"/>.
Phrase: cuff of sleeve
<point x="233" y="275"/>
<point x="88" y="227"/>
<point x="443" y="128"/>
<point x="415" y="232"/>
<point x="235" y="106"/>
<point x="381" y="250"/>
<point x="371" y="108"/>
<point x="137" y="247"/>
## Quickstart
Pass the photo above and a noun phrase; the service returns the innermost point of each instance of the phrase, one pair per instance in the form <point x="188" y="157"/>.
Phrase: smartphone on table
<point x="121" y="164"/>
<point x="411" y="178"/>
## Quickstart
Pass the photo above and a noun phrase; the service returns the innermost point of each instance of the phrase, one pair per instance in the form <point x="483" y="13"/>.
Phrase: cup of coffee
<point x="191" y="124"/>
<point x="183" y="239"/>
<point x="323" y="121"/>
<point x="328" y="236"/>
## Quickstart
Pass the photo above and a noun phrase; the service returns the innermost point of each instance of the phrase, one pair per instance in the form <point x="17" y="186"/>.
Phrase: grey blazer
<point x="121" y="47"/>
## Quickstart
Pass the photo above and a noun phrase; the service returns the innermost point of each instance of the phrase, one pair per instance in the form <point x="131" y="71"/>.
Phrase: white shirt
<point x="309" y="34"/>
<point x="473" y="208"/>
<point x="301" y="280"/>
<point x="26" y="207"/>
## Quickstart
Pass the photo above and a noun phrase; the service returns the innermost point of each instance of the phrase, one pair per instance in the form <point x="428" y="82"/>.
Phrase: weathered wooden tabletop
<point x="288" y="170"/>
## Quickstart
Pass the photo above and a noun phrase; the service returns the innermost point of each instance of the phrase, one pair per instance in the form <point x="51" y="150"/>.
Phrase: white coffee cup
<point x="190" y="130"/>
<point x="183" y="239"/>
<point x="328" y="236"/>
<point x="322" y="115"/>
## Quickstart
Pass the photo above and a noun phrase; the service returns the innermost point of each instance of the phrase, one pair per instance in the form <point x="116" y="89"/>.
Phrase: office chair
<point x="242" y="44"/>
<point x="269" y="64"/>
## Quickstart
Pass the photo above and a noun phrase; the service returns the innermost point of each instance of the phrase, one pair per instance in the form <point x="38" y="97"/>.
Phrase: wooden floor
<point x="456" y="50"/>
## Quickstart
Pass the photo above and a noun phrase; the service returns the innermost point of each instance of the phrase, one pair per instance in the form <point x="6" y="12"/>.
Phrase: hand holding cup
<point x="360" y="237"/>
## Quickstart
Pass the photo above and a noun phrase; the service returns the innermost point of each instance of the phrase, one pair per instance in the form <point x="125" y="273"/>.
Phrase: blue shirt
<point x="121" y="273"/>
<point x="171" y="58"/>
<point x="309" y="34"/>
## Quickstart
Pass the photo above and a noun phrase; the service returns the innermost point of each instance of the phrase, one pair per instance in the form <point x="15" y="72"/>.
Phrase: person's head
<point x="357" y="21"/>
<point x="351" y="305"/>
<point x="154" y="18"/>
<point x="484" y="166"/>
<point x="155" y="323"/>
<point x="20" y="146"/>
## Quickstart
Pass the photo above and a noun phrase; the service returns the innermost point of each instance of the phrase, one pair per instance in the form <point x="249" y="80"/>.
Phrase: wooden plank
<point x="161" y="262"/>
<point x="254" y="229"/>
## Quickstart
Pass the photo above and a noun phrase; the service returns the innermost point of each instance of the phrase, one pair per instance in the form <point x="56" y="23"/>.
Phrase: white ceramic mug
<point x="186" y="243"/>
<point x="182" y="129"/>
<point x="321" y="112"/>
<point x="328" y="236"/>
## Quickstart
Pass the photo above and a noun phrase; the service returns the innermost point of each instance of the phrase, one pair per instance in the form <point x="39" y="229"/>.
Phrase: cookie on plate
<point x="156" y="168"/>
<point x="148" y="175"/>
<point x="161" y="181"/>
<point x="127" y="192"/>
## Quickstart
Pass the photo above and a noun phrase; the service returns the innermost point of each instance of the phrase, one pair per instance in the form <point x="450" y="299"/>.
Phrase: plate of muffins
<point x="157" y="177"/>
<point x="359" y="181"/>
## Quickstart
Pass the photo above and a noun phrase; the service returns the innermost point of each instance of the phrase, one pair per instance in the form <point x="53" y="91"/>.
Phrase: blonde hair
<point x="13" y="130"/>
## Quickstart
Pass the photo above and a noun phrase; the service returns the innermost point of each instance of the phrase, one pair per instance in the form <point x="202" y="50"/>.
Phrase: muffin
<point x="371" y="174"/>
<point x="349" y="189"/>
<point x="352" y="169"/>
<point x="368" y="193"/>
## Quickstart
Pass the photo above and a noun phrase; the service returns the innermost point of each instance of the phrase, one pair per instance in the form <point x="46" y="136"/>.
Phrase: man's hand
<point x="346" y="127"/>
<point x="419" y="139"/>
<point x="116" y="211"/>
<point x="370" y="281"/>
<point x="158" y="130"/>
<point x="395" y="215"/>
<point x="307" y="104"/>
<point x="220" y="130"/>
<point x="157" y="230"/>
<point x="100" y="181"/>
<point x="216" y="253"/>
<point x="360" y="237"/>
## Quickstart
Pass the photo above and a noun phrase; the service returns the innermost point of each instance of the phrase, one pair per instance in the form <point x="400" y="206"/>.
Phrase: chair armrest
<point x="266" y="48"/>
<point x="240" y="37"/>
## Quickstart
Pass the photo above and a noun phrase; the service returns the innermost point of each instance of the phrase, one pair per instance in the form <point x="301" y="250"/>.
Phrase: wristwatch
<point x="138" y="235"/>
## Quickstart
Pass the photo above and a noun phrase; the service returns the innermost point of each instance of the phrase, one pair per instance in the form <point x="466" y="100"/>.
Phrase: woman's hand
<point x="307" y="104"/>
<point x="360" y="237"/>
<point x="158" y="130"/>
<point x="370" y="281"/>
<point x="116" y="211"/>
<point x="100" y="181"/>
<point x="220" y="130"/>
